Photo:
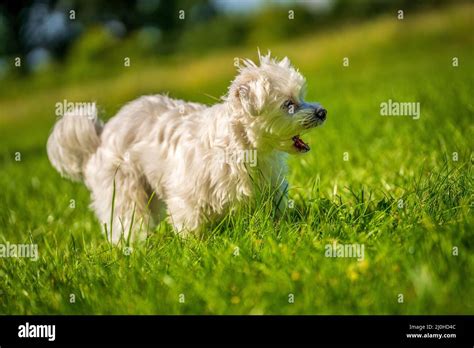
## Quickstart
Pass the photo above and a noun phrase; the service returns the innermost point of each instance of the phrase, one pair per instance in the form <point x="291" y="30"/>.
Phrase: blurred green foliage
<point x="102" y="33"/>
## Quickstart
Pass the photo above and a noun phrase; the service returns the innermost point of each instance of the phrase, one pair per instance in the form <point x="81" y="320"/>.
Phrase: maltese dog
<point x="161" y="157"/>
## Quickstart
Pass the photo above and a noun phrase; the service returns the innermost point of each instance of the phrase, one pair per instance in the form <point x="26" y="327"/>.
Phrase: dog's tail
<point x="75" y="137"/>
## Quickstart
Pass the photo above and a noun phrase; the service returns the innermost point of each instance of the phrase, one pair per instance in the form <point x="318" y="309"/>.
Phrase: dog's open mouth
<point x="299" y="144"/>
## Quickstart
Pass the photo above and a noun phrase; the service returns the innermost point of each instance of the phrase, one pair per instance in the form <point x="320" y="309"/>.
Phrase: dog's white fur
<point x="161" y="155"/>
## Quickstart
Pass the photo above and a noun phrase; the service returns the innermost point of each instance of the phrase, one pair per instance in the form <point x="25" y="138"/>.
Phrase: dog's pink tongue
<point x="300" y="144"/>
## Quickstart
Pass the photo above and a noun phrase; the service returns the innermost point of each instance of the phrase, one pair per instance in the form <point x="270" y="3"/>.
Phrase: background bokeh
<point x="88" y="38"/>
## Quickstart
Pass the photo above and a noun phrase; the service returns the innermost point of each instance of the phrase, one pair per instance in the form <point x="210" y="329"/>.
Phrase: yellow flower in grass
<point x="295" y="276"/>
<point x="352" y="274"/>
<point x="363" y="266"/>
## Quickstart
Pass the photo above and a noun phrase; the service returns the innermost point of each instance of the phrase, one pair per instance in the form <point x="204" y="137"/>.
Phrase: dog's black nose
<point x="320" y="113"/>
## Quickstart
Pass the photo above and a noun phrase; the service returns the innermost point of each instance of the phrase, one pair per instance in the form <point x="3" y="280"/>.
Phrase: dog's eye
<point x="288" y="103"/>
<point x="290" y="106"/>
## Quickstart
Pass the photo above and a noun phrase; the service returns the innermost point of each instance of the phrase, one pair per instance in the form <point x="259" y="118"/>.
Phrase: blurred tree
<point x="274" y="23"/>
<point x="42" y="29"/>
<point x="370" y="8"/>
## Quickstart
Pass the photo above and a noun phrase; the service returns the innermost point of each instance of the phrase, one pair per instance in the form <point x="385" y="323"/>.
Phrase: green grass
<point x="401" y="193"/>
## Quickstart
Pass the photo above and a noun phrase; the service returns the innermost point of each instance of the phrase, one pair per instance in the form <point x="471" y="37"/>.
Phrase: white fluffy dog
<point x="161" y="155"/>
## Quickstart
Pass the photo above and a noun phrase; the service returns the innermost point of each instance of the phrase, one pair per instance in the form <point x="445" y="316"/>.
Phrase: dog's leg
<point x="281" y="197"/>
<point x="274" y="170"/>
<point x="119" y="197"/>
<point x="184" y="217"/>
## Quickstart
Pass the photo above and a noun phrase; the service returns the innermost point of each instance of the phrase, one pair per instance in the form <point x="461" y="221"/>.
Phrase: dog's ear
<point x="251" y="94"/>
<point x="285" y="63"/>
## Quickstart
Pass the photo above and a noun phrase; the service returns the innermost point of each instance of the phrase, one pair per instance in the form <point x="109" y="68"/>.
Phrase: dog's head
<point x="269" y="98"/>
